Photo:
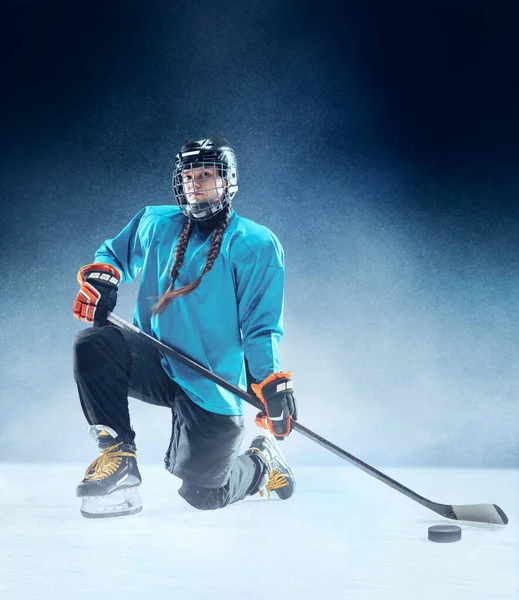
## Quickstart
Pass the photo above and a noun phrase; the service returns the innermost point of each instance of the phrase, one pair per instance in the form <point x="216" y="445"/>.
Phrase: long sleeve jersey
<point x="235" y="312"/>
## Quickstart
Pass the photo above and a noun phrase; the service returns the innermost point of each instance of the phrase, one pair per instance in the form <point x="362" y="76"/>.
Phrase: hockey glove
<point x="97" y="295"/>
<point x="276" y="393"/>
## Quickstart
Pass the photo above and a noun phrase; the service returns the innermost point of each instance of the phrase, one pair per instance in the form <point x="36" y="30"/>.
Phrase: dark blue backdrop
<point x="378" y="141"/>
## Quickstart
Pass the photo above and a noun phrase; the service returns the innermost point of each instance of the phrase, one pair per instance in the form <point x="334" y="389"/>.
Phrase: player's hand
<point x="97" y="294"/>
<point x="276" y="393"/>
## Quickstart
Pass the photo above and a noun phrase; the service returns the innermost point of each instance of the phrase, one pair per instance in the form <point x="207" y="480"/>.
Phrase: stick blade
<point x="480" y="513"/>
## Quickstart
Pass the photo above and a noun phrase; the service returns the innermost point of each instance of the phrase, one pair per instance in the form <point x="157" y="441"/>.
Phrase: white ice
<point x="343" y="536"/>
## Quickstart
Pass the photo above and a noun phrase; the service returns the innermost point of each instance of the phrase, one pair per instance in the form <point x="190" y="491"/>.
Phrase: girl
<point x="218" y="298"/>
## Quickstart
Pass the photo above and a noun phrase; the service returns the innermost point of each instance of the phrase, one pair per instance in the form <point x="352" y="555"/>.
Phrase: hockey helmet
<point x="209" y="166"/>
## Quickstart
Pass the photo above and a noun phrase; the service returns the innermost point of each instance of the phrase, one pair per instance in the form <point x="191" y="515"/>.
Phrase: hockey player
<point x="211" y="287"/>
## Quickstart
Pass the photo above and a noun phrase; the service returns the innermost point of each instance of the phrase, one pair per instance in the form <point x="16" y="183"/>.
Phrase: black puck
<point x="444" y="533"/>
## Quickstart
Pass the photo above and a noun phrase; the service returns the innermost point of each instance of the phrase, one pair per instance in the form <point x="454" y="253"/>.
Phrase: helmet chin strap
<point x="208" y="214"/>
<point x="210" y="224"/>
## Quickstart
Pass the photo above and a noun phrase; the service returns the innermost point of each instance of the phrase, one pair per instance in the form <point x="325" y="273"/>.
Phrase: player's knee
<point x="93" y="347"/>
<point x="204" y="498"/>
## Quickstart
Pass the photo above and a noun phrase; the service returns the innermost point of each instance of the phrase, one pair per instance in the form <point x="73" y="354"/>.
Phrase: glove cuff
<point x="102" y="272"/>
<point x="258" y="387"/>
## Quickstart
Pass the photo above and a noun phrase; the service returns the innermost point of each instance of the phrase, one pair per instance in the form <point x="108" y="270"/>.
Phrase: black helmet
<point x="220" y="179"/>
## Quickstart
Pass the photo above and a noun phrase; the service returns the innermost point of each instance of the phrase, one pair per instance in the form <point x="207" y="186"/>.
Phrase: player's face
<point x="202" y="184"/>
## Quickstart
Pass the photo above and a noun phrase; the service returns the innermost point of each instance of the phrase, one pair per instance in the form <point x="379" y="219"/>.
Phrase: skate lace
<point x="276" y="480"/>
<point x="107" y="463"/>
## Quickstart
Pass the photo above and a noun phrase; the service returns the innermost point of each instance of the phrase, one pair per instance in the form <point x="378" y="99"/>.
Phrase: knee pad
<point x="204" y="498"/>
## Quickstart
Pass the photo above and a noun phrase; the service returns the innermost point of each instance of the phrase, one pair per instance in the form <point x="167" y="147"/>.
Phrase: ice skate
<point x="278" y="475"/>
<point x="109" y="488"/>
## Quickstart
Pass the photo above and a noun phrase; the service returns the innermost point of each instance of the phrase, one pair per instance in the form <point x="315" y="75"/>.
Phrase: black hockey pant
<point x="111" y="364"/>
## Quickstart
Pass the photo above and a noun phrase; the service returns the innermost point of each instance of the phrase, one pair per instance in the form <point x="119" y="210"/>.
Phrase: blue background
<point x="378" y="141"/>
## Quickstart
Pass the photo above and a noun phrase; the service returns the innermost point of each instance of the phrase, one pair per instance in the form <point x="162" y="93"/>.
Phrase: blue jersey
<point x="236" y="311"/>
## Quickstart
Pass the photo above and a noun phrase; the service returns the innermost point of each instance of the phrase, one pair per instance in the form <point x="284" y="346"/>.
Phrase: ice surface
<point x="344" y="536"/>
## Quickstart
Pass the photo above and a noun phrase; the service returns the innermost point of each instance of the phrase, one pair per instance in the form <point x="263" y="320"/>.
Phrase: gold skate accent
<point x="276" y="479"/>
<point x="106" y="464"/>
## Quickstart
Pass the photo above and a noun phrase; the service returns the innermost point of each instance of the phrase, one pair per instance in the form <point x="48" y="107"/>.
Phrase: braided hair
<point x="216" y="243"/>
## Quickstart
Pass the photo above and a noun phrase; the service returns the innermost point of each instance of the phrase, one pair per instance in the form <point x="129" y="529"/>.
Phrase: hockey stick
<point x="479" y="513"/>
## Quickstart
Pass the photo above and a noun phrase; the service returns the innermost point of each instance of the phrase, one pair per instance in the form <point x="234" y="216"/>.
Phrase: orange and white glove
<point x="276" y="393"/>
<point x="97" y="294"/>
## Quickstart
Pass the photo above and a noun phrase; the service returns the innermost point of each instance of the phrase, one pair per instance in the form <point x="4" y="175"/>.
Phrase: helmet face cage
<point x="204" y="183"/>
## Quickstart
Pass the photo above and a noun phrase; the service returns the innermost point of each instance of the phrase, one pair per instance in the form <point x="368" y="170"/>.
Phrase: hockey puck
<point x="444" y="533"/>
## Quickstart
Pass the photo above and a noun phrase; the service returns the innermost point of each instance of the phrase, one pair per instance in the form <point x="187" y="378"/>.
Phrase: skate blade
<point x="117" y="504"/>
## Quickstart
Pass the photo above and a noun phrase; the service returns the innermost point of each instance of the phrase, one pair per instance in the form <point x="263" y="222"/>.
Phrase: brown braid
<point x="216" y="243"/>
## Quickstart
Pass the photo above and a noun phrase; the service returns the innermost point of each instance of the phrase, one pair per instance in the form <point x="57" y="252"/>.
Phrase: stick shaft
<point x="308" y="433"/>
